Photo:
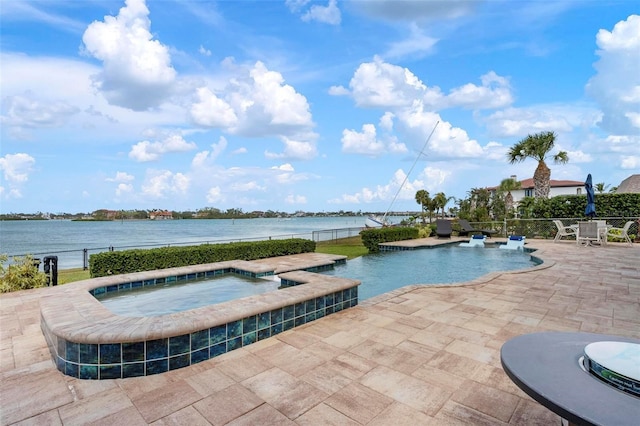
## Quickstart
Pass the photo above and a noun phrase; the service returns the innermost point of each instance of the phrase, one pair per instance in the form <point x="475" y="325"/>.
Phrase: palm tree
<point x="601" y="187"/>
<point x="508" y="185"/>
<point x="537" y="146"/>
<point x="422" y="198"/>
<point x="441" y="201"/>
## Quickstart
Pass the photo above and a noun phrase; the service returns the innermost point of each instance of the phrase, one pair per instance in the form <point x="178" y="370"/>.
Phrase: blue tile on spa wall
<point x="234" y="329"/>
<point x="158" y="348"/>
<point x="110" y="353"/>
<point x="199" y="340"/>
<point x="250" y="324"/>
<point x="276" y="316"/>
<point x="264" y="320"/>
<point x="72" y="351"/>
<point x="89" y="372"/>
<point x="110" y="371"/>
<point x="218" y="334"/>
<point x="218" y="349"/>
<point x="200" y="355"/>
<point x="179" y="345"/>
<point x="135" y="369"/>
<point x="234" y="343"/>
<point x="288" y="312"/>
<point x="156" y="367"/>
<point x="71" y="369"/>
<point x="179" y="361"/>
<point x="133" y="351"/>
<point x="88" y="354"/>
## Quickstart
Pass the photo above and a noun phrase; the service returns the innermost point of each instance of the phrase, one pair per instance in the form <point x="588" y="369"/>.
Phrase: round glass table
<point x="549" y="368"/>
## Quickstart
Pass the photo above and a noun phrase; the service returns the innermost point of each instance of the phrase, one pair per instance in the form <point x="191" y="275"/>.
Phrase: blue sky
<point x="306" y="105"/>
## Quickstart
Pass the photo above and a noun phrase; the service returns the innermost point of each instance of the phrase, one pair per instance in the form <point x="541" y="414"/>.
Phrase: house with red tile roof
<point x="556" y="187"/>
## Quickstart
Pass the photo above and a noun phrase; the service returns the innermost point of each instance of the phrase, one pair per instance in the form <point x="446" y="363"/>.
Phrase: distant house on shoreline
<point x="160" y="215"/>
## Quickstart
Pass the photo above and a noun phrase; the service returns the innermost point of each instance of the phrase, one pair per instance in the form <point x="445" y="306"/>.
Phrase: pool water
<point x="379" y="273"/>
<point x="387" y="271"/>
<point x="163" y="299"/>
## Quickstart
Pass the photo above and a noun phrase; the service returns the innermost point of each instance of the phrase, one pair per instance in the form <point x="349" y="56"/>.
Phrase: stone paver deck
<point x="421" y="355"/>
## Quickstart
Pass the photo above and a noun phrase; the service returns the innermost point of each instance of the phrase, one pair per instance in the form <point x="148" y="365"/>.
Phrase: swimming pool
<point x="379" y="273"/>
<point x="387" y="271"/>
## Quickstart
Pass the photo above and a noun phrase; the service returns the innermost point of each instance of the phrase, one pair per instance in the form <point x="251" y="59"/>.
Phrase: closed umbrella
<point x="590" y="210"/>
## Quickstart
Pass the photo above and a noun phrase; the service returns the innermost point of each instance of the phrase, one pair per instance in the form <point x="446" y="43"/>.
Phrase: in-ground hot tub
<point x="88" y="341"/>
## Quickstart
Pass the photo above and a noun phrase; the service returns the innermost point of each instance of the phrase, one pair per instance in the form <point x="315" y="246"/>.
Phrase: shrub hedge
<point x="374" y="236"/>
<point x="137" y="260"/>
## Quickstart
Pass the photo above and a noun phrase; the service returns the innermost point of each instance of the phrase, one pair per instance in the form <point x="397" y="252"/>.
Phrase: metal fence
<point x="545" y="228"/>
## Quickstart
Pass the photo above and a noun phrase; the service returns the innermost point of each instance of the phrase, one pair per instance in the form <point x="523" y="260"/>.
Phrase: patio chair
<point x="620" y="232"/>
<point x="588" y="233"/>
<point x="563" y="231"/>
<point x="515" y="242"/>
<point x="466" y="228"/>
<point x="443" y="228"/>
<point x="475" y="241"/>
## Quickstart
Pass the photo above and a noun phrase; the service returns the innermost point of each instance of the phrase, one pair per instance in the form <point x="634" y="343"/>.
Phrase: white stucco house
<point x="556" y="187"/>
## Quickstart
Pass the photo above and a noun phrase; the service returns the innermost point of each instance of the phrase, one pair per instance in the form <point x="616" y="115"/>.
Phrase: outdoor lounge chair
<point x="621" y="232"/>
<point x="475" y="241"/>
<point x="515" y="242"/>
<point x="443" y="228"/>
<point x="563" y="231"/>
<point x="466" y="228"/>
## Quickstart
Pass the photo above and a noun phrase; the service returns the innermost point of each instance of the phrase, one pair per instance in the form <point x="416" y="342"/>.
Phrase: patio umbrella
<point x="590" y="210"/>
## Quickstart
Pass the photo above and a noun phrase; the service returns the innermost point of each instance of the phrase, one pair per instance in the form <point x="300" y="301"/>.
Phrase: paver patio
<point x="420" y="355"/>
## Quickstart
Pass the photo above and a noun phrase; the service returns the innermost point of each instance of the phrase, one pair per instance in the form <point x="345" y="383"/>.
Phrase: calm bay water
<point x="67" y="239"/>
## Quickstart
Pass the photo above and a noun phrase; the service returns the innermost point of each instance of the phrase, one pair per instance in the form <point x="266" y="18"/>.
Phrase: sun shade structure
<point x="590" y="210"/>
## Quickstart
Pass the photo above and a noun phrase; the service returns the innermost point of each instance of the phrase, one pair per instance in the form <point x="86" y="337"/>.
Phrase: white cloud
<point x="206" y="158"/>
<point x="630" y="162"/>
<point x="339" y="91"/>
<point x="495" y="92"/>
<point x="26" y="111"/>
<point x="616" y="84"/>
<point x="383" y="85"/>
<point x="123" y="189"/>
<point x="214" y="195"/>
<point x="417" y="44"/>
<point x="137" y="71"/>
<point x="384" y="193"/>
<point x="203" y="51"/>
<point x="295" y="199"/>
<point x="17" y="167"/>
<point x="258" y="103"/>
<point x="121" y="177"/>
<point x="367" y="143"/>
<point x="247" y="186"/>
<point x="150" y="151"/>
<point x="579" y="156"/>
<point x="329" y="14"/>
<point x="520" y="122"/>
<point x="212" y="111"/>
<point x="284" y="167"/>
<point x="162" y="183"/>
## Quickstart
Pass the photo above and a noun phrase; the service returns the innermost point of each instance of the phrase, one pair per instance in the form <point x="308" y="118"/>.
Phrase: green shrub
<point x="424" y="232"/>
<point x="371" y="238"/>
<point x="137" y="260"/>
<point x="22" y="274"/>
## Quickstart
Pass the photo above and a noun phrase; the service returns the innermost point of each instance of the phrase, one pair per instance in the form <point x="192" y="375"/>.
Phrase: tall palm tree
<point x="423" y="198"/>
<point x="538" y="146"/>
<point x="508" y="185"/>
<point x="441" y="201"/>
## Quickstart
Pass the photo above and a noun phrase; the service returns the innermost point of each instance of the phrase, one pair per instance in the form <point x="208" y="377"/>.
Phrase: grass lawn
<point x="350" y="247"/>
